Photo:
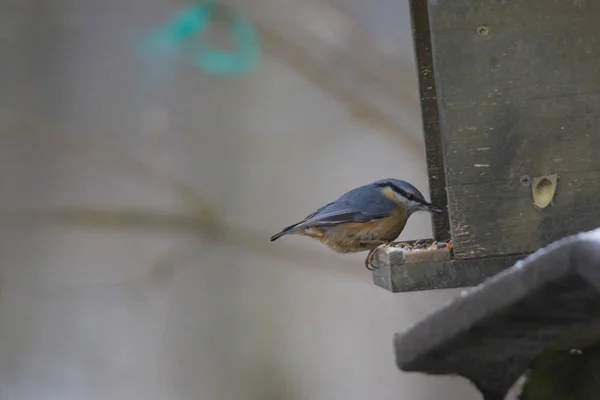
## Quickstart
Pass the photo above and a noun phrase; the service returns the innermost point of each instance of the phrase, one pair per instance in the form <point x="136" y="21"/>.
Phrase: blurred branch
<point x="106" y="218"/>
<point x="12" y="124"/>
<point x="352" y="67"/>
<point x="202" y="219"/>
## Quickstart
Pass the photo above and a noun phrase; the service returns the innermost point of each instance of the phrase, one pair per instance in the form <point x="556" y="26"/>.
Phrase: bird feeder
<point x="509" y="94"/>
<point x="509" y="100"/>
<point x="539" y="319"/>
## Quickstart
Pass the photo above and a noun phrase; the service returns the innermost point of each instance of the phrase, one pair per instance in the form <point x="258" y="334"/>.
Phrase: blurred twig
<point x="106" y="218"/>
<point x="356" y="72"/>
<point x="12" y="124"/>
<point x="201" y="218"/>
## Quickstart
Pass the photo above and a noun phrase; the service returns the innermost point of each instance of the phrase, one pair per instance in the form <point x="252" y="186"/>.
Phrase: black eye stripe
<point x="409" y="196"/>
<point x="402" y="192"/>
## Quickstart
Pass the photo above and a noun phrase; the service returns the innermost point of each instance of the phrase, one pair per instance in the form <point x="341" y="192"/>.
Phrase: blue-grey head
<point x="407" y="194"/>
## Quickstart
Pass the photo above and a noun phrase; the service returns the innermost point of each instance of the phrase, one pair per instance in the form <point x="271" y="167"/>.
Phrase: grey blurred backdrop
<point x="136" y="211"/>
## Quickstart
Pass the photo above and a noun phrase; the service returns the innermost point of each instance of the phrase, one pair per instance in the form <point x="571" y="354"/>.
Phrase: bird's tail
<point x="432" y="208"/>
<point x="287" y="230"/>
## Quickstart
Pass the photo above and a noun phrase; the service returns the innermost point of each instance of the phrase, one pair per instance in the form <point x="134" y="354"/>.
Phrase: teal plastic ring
<point x="192" y="22"/>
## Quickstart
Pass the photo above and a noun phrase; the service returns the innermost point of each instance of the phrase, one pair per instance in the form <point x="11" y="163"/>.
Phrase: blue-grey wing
<point x="359" y="205"/>
<point x="316" y="212"/>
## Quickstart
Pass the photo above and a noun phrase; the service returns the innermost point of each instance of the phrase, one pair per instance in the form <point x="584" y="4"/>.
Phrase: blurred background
<point x="138" y="197"/>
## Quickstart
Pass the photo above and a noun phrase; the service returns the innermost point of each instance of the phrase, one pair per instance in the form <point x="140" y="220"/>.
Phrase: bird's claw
<point x="369" y="260"/>
<point x="368" y="264"/>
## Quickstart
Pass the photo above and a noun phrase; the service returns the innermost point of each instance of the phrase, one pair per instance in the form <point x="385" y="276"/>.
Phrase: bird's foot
<point x="369" y="260"/>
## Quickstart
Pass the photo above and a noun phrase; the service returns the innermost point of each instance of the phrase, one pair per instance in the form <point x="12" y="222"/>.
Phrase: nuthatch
<point x="366" y="218"/>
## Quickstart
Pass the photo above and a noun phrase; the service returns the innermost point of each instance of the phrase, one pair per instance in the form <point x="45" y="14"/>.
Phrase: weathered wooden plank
<point x="492" y="334"/>
<point x="518" y="89"/>
<point x="395" y="275"/>
<point x="499" y="218"/>
<point x="487" y="142"/>
<point x="429" y="111"/>
<point x="536" y="47"/>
